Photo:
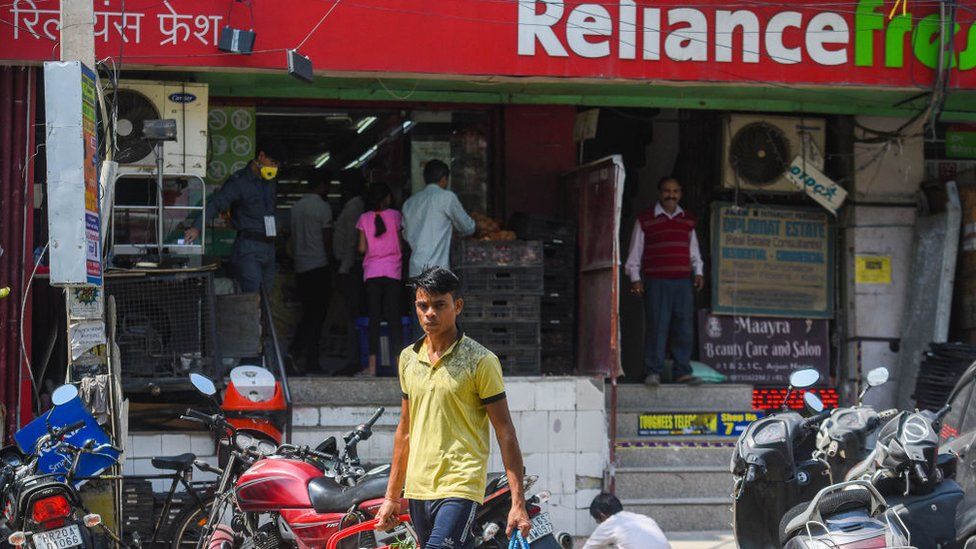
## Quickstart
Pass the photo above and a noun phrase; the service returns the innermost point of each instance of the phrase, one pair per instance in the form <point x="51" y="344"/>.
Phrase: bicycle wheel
<point x="188" y="525"/>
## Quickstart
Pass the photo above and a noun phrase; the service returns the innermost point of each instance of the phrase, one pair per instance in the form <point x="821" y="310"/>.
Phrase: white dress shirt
<point x="626" y="530"/>
<point x="428" y="219"/>
<point x="636" y="253"/>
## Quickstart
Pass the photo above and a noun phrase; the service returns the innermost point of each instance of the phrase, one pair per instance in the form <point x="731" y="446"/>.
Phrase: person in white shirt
<point x="311" y="233"/>
<point x="665" y="267"/>
<point x="429" y="218"/>
<point x="622" y="529"/>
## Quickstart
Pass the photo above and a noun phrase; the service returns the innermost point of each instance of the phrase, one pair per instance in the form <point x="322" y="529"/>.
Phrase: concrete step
<point x="708" y="397"/>
<point x="681" y="481"/>
<point x="685" y="514"/>
<point x="680" y="451"/>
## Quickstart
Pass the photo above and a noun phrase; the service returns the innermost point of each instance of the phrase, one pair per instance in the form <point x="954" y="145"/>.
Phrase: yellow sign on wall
<point x="872" y="269"/>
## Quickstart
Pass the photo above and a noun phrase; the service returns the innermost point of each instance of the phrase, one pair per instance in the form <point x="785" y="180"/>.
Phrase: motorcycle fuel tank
<point x="273" y="484"/>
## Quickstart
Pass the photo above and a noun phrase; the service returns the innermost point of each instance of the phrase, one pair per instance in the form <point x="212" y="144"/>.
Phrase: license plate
<point x="69" y="536"/>
<point x="541" y="526"/>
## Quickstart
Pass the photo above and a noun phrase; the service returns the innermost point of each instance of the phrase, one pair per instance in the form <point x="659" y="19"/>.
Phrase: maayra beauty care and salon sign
<point x="810" y="42"/>
<point x="762" y="350"/>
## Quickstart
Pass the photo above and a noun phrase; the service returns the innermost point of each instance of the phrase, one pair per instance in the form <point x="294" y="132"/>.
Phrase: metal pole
<point x="78" y="38"/>
<point x="159" y="200"/>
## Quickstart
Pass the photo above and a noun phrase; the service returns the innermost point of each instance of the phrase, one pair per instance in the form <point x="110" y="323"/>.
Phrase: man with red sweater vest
<point x="664" y="256"/>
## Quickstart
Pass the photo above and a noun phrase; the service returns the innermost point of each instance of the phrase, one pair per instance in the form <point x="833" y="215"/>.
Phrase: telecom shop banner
<point x="723" y="424"/>
<point x="772" y="261"/>
<point x="763" y="350"/>
<point x="865" y="42"/>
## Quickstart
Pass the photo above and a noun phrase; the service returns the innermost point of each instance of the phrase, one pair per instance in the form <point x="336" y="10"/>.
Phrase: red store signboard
<point x="803" y="42"/>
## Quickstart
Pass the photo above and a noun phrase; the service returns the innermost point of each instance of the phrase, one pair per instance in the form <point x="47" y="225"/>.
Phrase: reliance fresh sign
<point x="648" y="33"/>
<point x="812" y="42"/>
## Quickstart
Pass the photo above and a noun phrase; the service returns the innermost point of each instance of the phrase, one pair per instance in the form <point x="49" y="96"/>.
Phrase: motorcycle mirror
<point x="813" y="402"/>
<point x="203" y="384"/>
<point x="877" y="376"/>
<point x="802" y="379"/>
<point x="64" y="394"/>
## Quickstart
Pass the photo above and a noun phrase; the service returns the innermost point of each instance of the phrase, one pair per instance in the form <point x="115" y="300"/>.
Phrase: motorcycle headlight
<point x="770" y="433"/>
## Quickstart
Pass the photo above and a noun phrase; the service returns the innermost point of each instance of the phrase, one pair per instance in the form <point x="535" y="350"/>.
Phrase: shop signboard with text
<point x="763" y="350"/>
<point x="803" y="42"/>
<point x="772" y="261"/>
<point x="722" y="424"/>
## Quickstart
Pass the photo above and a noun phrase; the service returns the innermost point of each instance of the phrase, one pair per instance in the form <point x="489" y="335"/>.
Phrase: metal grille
<point x="165" y="324"/>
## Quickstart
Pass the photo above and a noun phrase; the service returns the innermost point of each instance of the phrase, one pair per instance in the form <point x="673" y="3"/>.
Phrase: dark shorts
<point x="443" y="523"/>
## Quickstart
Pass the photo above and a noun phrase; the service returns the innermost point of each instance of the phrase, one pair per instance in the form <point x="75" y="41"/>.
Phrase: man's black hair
<point x="437" y="281"/>
<point x="665" y="179"/>
<point x="275" y="150"/>
<point x="435" y="170"/>
<point x="605" y="505"/>
<point x="320" y="177"/>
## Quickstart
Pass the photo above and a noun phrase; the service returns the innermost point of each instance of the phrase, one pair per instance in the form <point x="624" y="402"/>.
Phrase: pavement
<point x="701" y="540"/>
<point x="692" y="540"/>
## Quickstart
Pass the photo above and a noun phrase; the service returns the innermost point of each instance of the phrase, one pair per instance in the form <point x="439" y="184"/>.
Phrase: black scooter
<point x="915" y="484"/>
<point x="848" y="436"/>
<point x="773" y="468"/>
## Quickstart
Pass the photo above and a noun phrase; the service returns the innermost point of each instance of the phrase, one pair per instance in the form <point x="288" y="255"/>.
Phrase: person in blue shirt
<point x="250" y="194"/>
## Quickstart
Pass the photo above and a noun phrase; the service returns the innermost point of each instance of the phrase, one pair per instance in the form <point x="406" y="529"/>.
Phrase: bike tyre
<point x="184" y="523"/>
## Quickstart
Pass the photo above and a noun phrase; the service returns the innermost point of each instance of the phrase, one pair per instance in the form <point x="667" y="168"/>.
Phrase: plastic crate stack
<point x="942" y="366"/>
<point x="558" y="306"/>
<point x="501" y="283"/>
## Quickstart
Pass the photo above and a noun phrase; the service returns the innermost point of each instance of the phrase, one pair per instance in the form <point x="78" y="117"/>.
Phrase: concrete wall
<point x="141" y="447"/>
<point x="879" y="220"/>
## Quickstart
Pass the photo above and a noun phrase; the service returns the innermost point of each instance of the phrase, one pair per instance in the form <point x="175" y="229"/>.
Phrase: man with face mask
<point x="664" y="265"/>
<point x="250" y="194"/>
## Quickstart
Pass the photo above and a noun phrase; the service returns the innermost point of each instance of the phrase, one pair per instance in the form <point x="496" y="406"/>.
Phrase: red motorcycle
<point x="325" y="498"/>
<point x="311" y="497"/>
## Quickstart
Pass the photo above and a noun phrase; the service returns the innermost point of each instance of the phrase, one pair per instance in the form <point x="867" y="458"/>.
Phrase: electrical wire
<point x="317" y="25"/>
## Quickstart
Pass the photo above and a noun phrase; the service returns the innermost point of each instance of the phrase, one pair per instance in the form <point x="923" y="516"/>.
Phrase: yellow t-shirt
<point x="448" y="421"/>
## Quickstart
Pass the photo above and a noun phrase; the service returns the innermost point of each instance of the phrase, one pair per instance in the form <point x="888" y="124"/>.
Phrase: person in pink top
<point x="379" y="241"/>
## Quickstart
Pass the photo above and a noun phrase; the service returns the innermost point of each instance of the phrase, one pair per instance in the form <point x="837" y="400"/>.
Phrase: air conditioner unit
<point x="757" y="149"/>
<point x="139" y="100"/>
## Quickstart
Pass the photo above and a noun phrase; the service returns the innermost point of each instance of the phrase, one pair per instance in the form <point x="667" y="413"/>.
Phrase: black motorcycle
<point x="44" y="510"/>
<point x="773" y="468"/>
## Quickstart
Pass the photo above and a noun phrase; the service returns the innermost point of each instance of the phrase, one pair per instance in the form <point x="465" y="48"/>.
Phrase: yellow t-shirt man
<point x="448" y="421"/>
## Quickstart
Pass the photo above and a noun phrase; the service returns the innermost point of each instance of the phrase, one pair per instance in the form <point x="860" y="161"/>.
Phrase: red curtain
<point x="18" y="104"/>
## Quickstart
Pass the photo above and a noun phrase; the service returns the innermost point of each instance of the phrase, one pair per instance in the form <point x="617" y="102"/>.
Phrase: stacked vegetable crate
<point x="558" y="305"/>
<point x="502" y="283"/>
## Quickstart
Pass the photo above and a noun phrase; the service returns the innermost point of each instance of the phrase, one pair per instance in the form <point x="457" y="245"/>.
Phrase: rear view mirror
<point x="877" y="376"/>
<point x="64" y="394"/>
<point x="813" y="402"/>
<point x="203" y="384"/>
<point x="327" y="446"/>
<point x="802" y="379"/>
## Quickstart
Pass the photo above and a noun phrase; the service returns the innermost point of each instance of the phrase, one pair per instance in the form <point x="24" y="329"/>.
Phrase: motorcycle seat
<point x="495" y="481"/>
<point x="831" y="504"/>
<point x="182" y="462"/>
<point x="329" y="497"/>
